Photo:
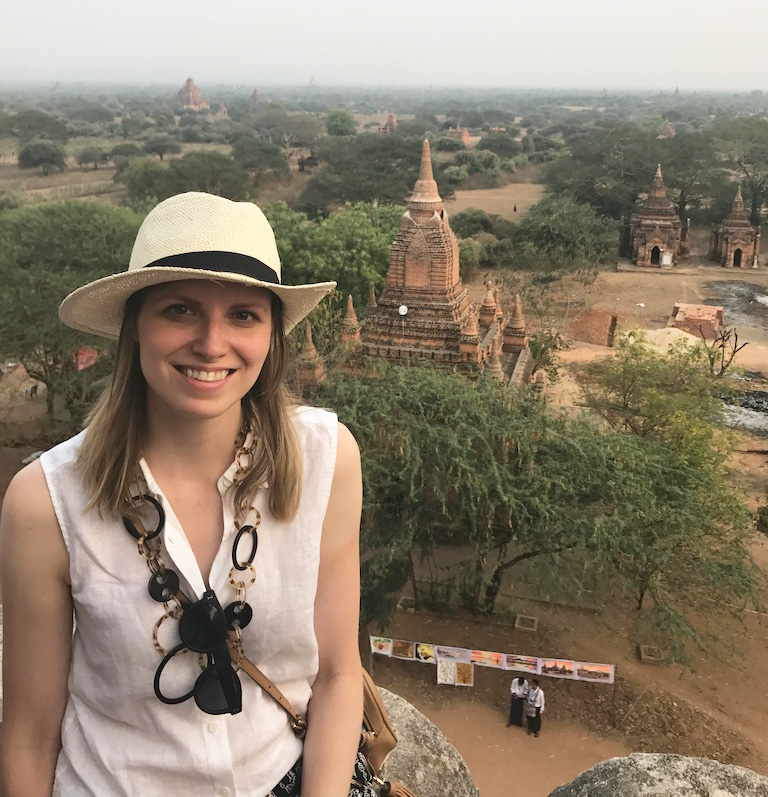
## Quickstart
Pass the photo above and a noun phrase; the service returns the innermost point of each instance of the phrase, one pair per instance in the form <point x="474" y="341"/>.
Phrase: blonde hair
<point x="109" y="456"/>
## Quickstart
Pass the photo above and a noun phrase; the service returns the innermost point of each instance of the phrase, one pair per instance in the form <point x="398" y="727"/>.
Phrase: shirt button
<point x="212" y="728"/>
<point x="223" y="791"/>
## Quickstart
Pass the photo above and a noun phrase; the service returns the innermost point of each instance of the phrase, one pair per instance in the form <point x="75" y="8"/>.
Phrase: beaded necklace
<point x="204" y="626"/>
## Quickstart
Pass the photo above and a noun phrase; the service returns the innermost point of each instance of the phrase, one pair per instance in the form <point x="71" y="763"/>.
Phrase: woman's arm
<point x="37" y="636"/>
<point x="336" y="708"/>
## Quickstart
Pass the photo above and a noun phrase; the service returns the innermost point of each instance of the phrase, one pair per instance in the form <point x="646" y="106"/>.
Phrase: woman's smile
<point x="202" y="345"/>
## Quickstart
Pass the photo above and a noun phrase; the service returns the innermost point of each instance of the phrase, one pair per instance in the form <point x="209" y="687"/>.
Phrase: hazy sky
<point x="657" y="44"/>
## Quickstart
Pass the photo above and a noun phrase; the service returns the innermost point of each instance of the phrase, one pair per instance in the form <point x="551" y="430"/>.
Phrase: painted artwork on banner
<point x="486" y="658"/>
<point x="454" y="654"/>
<point x="558" y="668"/>
<point x="586" y="671"/>
<point x="425" y="652"/>
<point x="402" y="649"/>
<point x="512" y="661"/>
<point x="381" y="645"/>
<point x="446" y="672"/>
<point x="465" y="674"/>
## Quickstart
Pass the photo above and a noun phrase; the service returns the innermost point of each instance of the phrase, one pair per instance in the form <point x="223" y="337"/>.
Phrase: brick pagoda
<point x="191" y="97"/>
<point x="735" y="243"/>
<point x="424" y="311"/>
<point x="656" y="235"/>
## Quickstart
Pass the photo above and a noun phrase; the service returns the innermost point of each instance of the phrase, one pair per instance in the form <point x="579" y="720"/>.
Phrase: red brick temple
<point x="655" y="231"/>
<point x="424" y="311"/>
<point x="735" y="243"/>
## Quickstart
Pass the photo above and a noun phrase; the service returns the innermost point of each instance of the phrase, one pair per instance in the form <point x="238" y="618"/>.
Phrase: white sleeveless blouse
<point x="117" y="737"/>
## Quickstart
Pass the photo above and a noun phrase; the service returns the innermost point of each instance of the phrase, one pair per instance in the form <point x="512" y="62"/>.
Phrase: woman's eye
<point x="177" y="310"/>
<point x="246" y="315"/>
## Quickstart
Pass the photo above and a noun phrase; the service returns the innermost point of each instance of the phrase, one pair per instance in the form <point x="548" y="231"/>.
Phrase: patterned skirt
<point x="361" y="783"/>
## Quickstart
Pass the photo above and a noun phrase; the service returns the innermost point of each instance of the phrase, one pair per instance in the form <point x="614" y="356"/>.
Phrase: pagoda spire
<point x="350" y="326"/>
<point x="309" y="352"/>
<point x="350" y="317"/>
<point x="371" y="296"/>
<point x="517" y="321"/>
<point x="425" y="191"/>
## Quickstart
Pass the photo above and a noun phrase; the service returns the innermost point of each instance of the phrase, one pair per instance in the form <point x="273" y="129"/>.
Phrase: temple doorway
<point x="737" y="258"/>
<point x="655" y="256"/>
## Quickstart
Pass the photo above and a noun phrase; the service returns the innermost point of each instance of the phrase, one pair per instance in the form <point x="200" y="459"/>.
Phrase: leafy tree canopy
<point x="28" y="125"/>
<point x="351" y="246"/>
<point x="43" y="154"/>
<point x="46" y="251"/>
<point x="161" y="146"/>
<point x="559" y="226"/>
<point x="366" y="168"/>
<point x="340" y="123"/>
<point x="469" y="462"/>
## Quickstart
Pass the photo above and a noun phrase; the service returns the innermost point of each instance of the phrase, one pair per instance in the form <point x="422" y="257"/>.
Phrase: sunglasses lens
<point x="218" y="690"/>
<point x="203" y="626"/>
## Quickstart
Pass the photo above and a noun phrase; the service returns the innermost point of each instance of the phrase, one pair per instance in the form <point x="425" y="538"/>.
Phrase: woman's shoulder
<point x="65" y="453"/>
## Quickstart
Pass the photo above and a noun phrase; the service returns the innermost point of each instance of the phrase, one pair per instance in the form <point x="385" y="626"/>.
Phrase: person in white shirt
<point x="534" y="707"/>
<point x="199" y="474"/>
<point x="518" y="690"/>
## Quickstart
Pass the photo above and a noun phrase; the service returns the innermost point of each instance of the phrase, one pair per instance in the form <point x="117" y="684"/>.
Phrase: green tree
<point x="88" y="155"/>
<point x="365" y="168"/>
<point x="286" y="130"/>
<point x="142" y="178"/>
<point x="352" y="245"/>
<point x="211" y="172"/>
<point x="691" y="170"/>
<point x="560" y="227"/>
<point x="744" y="141"/>
<point x="46" y="251"/>
<point x="669" y="396"/>
<point x="161" y="146"/>
<point x="607" y="167"/>
<point x="42" y="154"/>
<point x="260" y="157"/>
<point x="32" y="124"/>
<point x="340" y="123"/>
<point x="470" y="463"/>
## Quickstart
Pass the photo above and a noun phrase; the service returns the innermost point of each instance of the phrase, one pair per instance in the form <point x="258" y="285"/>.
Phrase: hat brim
<point x="97" y="308"/>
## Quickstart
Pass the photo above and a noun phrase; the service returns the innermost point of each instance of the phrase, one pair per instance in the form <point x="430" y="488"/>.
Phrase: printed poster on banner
<point x="402" y="649"/>
<point x="446" y="672"/>
<point x="524" y="663"/>
<point x="381" y="645"/>
<point x="454" y="654"/>
<point x="486" y="658"/>
<point x="425" y="652"/>
<point x="587" y="671"/>
<point x="465" y="674"/>
<point x="558" y="668"/>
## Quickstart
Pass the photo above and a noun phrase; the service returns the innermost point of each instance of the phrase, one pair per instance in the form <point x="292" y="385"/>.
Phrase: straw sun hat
<point x="192" y="236"/>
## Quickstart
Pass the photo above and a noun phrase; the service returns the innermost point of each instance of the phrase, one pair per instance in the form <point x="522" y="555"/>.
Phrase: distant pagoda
<point x="191" y="97"/>
<point x="656" y="234"/>
<point x="735" y="242"/>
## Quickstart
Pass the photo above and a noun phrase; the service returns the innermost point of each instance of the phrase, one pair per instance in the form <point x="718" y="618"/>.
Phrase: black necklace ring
<point x="254" y="546"/>
<point x="134" y="532"/>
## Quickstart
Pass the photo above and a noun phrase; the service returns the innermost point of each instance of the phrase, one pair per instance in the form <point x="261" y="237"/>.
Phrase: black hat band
<point x="227" y="262"/>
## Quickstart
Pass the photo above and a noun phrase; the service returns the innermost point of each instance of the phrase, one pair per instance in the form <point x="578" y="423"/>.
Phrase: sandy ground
<point x="501" y="201"/>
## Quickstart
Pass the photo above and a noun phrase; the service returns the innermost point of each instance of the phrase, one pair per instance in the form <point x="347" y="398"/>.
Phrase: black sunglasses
<point x="203" y="628"/>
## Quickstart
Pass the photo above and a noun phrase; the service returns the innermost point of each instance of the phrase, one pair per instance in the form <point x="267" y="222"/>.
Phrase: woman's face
<point x="202" y="345"/>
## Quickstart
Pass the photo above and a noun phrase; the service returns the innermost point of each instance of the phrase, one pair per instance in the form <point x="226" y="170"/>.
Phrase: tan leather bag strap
<point x="298" y="723"/>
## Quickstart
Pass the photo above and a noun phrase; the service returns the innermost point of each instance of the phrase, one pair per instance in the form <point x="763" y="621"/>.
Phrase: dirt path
<point x="506" y="761"/>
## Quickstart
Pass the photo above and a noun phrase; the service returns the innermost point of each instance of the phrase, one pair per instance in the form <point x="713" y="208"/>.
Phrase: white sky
<point x="655" y="44"/>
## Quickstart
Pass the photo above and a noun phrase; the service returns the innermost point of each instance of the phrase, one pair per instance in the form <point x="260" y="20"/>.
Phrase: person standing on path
<point x="519" y="692"/>
<point x="534" y="707"/>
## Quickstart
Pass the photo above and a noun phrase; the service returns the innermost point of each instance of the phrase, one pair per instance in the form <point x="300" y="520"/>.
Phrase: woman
<point x="244" y="507"/>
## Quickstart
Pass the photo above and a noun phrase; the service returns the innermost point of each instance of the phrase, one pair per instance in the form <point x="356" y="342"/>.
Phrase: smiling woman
<point x="198" y="465"/>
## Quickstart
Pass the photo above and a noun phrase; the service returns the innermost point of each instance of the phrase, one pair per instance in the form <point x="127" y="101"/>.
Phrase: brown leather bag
<point x="377" y="739"/>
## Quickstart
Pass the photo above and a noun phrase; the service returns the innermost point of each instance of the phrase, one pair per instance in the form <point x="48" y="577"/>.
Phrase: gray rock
<point x="424" y="760"/>
<point x="662" y="775"/>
